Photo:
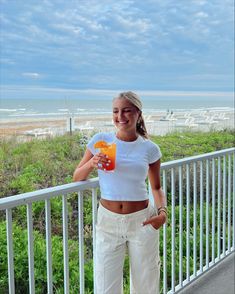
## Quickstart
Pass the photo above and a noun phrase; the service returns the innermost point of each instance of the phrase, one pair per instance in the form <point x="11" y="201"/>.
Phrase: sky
<point x="98" y="45"/>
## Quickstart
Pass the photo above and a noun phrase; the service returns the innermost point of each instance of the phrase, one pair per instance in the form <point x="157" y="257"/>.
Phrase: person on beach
<point x="126" y="220"/>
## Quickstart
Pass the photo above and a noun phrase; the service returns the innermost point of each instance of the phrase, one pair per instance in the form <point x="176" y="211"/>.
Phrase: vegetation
<point x="38" y="164"/>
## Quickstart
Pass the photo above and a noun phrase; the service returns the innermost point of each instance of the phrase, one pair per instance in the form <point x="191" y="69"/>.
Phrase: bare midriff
<point x="124" y="207"/>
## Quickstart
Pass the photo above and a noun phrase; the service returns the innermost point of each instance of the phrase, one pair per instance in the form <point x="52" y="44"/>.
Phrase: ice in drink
<point x="110" y="151"/>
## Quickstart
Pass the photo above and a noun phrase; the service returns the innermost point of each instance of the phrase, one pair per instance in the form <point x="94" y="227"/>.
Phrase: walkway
<point x="218" y="280"/>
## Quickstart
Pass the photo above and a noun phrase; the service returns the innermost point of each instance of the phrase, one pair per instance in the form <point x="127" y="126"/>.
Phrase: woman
<point x="126" y="220"/>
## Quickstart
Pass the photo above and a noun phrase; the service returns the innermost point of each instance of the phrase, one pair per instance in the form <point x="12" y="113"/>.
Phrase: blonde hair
<point x="135" y="100"/>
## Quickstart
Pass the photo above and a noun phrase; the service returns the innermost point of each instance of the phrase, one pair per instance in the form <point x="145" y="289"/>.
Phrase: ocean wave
<point x="64" y="112"/>
<point x="12" y="109"/>
<point x="36" y="114"/>
<point x="7" y="110"/>
<point x="63" y="109"/>
<point x="189" y="109"/>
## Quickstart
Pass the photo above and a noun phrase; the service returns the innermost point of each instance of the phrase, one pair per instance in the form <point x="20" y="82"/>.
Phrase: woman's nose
<point x="120" y="115"/>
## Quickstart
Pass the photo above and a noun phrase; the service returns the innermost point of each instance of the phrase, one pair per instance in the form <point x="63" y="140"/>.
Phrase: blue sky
<point x="157" y="45"/>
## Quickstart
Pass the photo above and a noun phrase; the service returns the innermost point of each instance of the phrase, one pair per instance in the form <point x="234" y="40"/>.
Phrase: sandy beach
<point x="157" y="124"/>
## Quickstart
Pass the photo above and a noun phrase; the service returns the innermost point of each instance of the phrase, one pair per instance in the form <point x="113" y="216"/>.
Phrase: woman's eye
<point x="124" y="110"/>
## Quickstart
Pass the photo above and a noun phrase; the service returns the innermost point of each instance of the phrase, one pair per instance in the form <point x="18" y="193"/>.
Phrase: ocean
<point x="20" y="108"/>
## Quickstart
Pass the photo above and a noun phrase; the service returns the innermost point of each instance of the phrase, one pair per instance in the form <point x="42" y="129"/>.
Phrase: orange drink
<point x="110" y="151"/>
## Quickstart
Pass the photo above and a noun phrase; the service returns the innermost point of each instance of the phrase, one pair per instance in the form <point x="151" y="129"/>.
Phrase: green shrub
<point x="21" y="263"/>
<point x="40" y="164"/>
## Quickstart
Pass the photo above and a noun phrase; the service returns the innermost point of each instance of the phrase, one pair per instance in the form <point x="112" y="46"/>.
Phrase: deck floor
<point x="218" y="280"/>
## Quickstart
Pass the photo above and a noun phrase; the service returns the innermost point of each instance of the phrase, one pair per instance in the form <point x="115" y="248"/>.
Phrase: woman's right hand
<point x="99" y="161"/>
<point x="88" y="163"/>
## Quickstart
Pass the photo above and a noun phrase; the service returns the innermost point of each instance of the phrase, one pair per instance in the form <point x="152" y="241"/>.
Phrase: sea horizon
<point x="93" y="102"/>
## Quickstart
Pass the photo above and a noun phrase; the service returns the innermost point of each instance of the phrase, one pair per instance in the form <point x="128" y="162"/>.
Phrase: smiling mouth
<point x="122" y="122"/>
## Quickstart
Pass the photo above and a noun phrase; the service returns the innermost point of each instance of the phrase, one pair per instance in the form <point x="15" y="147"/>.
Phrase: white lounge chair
<point x="168" y="117"/>
<point x="188" y="123"/>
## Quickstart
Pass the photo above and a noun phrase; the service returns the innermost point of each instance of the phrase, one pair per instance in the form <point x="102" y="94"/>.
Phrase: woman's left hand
<point x="156" y="221"/>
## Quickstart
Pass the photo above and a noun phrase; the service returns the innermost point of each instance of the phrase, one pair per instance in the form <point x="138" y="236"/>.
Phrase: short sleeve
<point x="93" y="140"/>
<point x="154" y="153"/>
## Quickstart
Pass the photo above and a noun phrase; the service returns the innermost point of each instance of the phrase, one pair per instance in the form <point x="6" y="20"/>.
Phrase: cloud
<point x="185" y="93"/>
<point x="4" y="20"/>
<point x="199" y="2"/>
<point x="31" y="75"/>
<point x="72" y="41"/>
<point x="201" y="14"/>
<point x="112" y="93"/>
<point x="73" y="29"/>
<point x="7" y="61"/>
<point x="138" y="25"/>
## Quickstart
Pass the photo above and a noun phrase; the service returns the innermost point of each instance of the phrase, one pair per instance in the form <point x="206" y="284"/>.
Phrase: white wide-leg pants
<point x="118" y="233"/>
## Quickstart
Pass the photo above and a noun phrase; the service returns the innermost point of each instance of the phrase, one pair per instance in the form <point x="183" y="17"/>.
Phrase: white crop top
<point x="127" y="182"/>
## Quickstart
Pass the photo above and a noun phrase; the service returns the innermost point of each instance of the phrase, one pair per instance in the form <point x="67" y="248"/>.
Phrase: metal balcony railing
<point x="203" y="189"/>
<point x="200" y="231"/>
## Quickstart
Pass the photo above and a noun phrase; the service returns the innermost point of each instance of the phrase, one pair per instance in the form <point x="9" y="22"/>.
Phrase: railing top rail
<point x="39" y="195"/>
<point x="16" y="200"/>
<point x="178" y="162"/>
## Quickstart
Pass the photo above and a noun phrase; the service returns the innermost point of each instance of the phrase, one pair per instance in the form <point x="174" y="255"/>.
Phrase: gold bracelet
<point x="164" y="212"/>
<point x="163" y="209"/>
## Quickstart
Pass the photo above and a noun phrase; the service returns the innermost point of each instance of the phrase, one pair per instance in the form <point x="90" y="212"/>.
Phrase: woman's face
<point x="125" y="115"/>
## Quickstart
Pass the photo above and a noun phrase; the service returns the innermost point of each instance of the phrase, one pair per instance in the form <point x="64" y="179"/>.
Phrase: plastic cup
<point x="110" y="151"/>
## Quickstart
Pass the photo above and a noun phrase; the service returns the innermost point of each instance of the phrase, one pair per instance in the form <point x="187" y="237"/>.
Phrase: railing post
<point x="195" y="219"/>
<point x="173" y="230"/>
<point x="188" y="222"/>
<point x="65" y="244"/>
<point x="30" y="249"/>
<point x="81" y="242"/>
<point x="233" y="201"/>
<point x="224" y="205"/>
<point x="229" y="203"/>
<point x="219" y="210"/>
<point x="180" y="228"/>
<point x="48" y="245"/>
<point x="164" y="241"/>
<point x="94" y="220"/>
<point x="213" y="212"/>
<point x="10" y="254"/>
<point x="207" y="213"/>
<point x="201" y="216"/>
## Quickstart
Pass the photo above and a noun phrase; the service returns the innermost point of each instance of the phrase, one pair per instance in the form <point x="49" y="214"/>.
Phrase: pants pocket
<point x="152" y="228"/>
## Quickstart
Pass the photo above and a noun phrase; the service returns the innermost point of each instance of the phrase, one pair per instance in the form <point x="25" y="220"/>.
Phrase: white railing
<point x="200" y="183"/>
<point x="201" y="201"/>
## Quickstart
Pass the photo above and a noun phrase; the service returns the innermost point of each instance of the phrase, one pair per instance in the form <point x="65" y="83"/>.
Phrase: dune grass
<point x="39" y="164"/>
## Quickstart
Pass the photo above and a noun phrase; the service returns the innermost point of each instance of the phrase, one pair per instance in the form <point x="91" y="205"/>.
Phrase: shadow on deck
<point x="217" y="280"/>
